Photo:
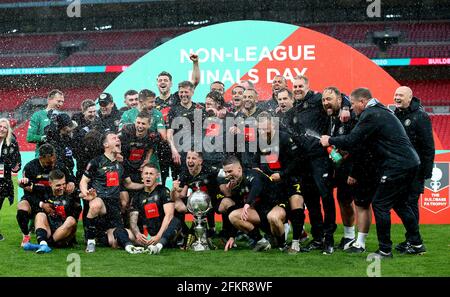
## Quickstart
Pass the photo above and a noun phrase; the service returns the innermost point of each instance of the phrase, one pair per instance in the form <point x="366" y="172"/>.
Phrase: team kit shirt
<point x="215" y="139"/>
<point x="187" y="113"/>
<point x="39" y="120"/>
<point x="250" y="125"/>
<point x="106" y="176"/>
<point x="151" y="209"/>
<point x="135" y="149"/>
<point x="205" y="181"/>
<point x="39" y="176"/>
<point x="64" y="205"/>
<point x="156" y="120"/>
<point x="278" y="157"/>
<point x="164" y="106"/>
<point x="255" y="189"/>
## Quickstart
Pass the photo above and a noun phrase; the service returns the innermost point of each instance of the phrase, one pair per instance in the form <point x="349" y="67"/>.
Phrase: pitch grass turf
<point x="106" y="262"/>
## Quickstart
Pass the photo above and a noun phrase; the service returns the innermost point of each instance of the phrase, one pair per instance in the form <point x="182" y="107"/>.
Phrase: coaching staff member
<point x="383" y="134"/>
<point x="417" y="124"/>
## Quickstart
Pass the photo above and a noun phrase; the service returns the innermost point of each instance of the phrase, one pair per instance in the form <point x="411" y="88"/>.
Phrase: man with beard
<point x="417" y="124"/>
<point x="308" y="115"/>
<point x="152" y="214"/>
<point x="41" y="119"/>
<point x="198" y="176"/>
<point x="108" y="116"/>
<point x="279" y="82"/>
<point x="215" y="136"/>
<point x="350" y="182"/>
<point x="181" y="132"/>
<point x="251" y="203"/>
<point x="100" y="187"/>
<point x="381" y="132"/>
<point x="130" y="100"/>
<point x="218" y="87"/>
<point x="36" y="175"/>
<point x="246" y="126"/>
<point x="138" y="145"/>
<point x="56" y="223"/>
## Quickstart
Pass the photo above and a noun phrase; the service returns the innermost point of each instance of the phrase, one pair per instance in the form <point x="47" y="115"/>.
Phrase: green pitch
<point x="238" y="262"/>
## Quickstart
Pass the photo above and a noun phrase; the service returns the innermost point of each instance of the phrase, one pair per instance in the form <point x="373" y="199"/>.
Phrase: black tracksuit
<point x="417" y="124"/>
<point x="308" y="114"/>
<point x="382" y="133"/>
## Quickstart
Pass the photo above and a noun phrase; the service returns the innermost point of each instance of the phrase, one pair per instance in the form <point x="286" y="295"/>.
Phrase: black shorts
<point x="284" y="191"/>
<point x="55" y="222"/>
<point x="345" y="192"/>
<point x="34" y="204"/>
<point x="364" y="192"/>
<point x="263" y="211"/>
<point x="112" y="218"/>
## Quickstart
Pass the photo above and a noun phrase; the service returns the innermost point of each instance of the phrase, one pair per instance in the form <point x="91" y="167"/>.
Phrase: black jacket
<point x="108" y="123"/>
<point x="383" y="134"/>
<point x="9" y="159"/>
<point x="308" y="114"/>
<point x="417" y="124"/>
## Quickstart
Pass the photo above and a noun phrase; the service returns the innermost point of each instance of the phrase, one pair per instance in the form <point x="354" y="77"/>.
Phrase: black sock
<point x="227" y="227"/>
<point x="121" y="235"/>
<point x="254" y="234"/>
<point x="281" y="240"/>
<point x="211" y="220"/>
<point x="90" y="227"/>
<point x="297" y="218"/>
<point x="184" y="227"/>
<point x="22" y="219"/>
<point x="41" y="235"/>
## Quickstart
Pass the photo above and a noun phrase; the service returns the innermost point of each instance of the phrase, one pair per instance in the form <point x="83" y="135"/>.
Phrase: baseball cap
<point x="104" y="98"/>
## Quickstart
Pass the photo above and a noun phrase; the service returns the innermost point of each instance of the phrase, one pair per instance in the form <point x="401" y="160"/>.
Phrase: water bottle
<point x="334" y="155"/>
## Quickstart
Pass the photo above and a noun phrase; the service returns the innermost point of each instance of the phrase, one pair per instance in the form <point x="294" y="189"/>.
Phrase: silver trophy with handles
<point x="198" y="204"/>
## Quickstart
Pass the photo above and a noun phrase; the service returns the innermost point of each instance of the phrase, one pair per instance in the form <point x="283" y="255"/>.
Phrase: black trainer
<point x="313" y="245"/>
<point x="328" y="248"/>
<point x="402" y="247"/>
<point x="1" y="237"/>
<point x="345" y="243"/>
<point x="355" y="249"/>
<point x="416" y="249"/>
<point x="382" y="255"/>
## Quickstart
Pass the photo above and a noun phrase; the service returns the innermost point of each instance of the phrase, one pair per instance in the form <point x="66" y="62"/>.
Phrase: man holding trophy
<point x="200" y="180"/>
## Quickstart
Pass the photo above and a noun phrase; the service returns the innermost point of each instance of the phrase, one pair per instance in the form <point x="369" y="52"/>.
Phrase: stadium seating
<point x="11" y="99"/>
<point x="410" y="32"/>
<point x="28" y="61"/>
<point x="112" y="46"/>
<point x="74" y="96"/>
<point x="432" y="92"/>
<point x="441" y="124"/>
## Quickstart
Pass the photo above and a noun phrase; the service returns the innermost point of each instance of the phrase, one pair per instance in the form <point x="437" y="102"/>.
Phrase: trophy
<point x="198" y="204"/>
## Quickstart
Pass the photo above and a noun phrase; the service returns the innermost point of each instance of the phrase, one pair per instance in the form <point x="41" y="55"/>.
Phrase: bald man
<point x="418" y="128"/>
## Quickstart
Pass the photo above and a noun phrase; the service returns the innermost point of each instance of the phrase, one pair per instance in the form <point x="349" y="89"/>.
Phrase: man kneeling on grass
<point x="56" y="222"/>
<point x="152" y="214"/>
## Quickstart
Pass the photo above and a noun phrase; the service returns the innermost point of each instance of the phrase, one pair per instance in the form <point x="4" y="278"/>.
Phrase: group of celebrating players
<point x="262" y="163"/>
